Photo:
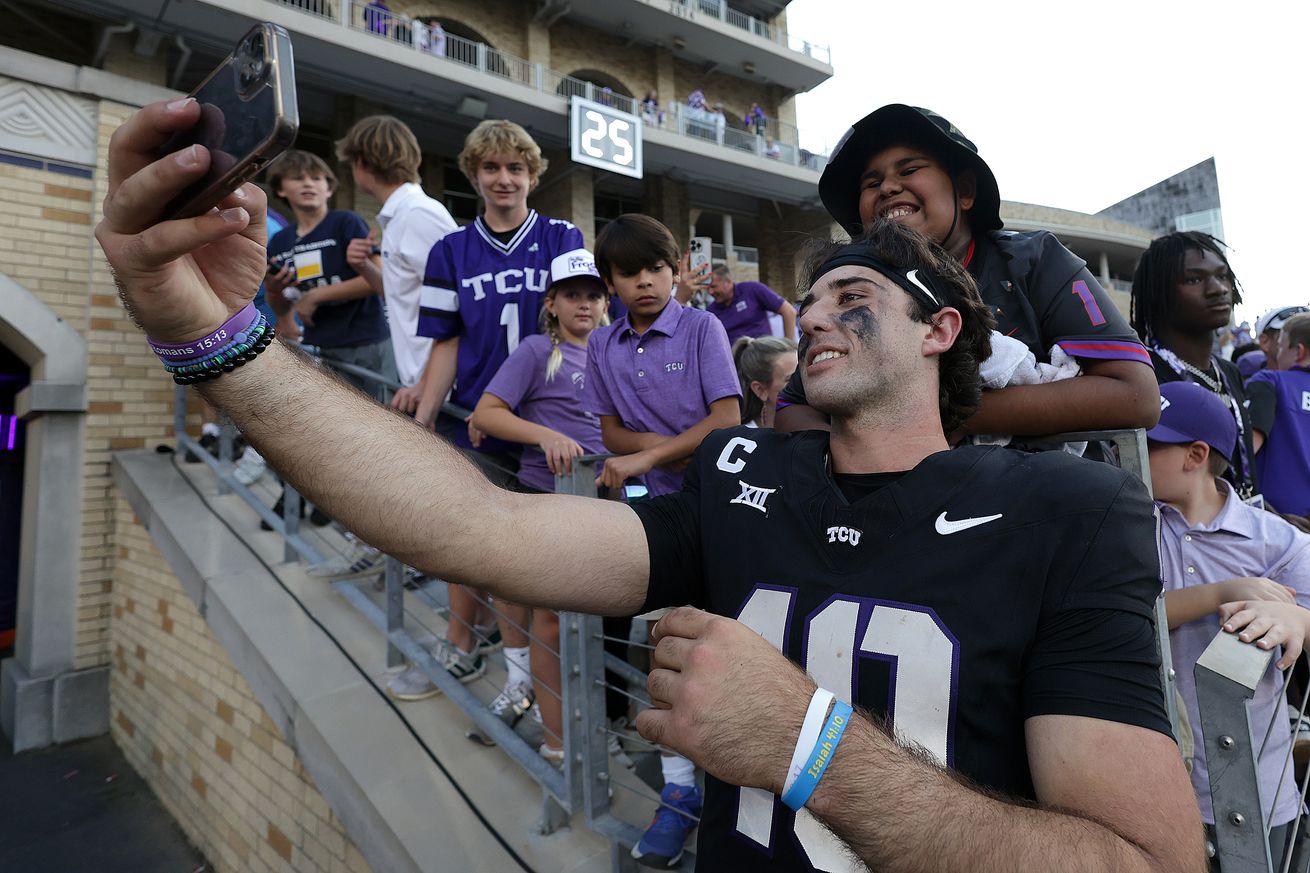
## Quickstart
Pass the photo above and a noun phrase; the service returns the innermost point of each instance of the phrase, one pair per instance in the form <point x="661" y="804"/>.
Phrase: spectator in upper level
<point x="912" y="166"/>
<point x="384" y="159"/>
<point x="377" y="17"/>
<point x="650" y="108"/>
<point x="744" y="307"/>
<point x="756" y="120"/>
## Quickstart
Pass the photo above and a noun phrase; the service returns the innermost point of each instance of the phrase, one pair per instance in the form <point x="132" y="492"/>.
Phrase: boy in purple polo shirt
<point x="744" y="307"/>
<point x="1227" y="563"/>
<point x="1280" y="417"/>
<point x="661" y="378"/>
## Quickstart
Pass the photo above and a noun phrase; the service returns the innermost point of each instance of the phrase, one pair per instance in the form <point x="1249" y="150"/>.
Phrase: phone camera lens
<point x="251" y="65"/>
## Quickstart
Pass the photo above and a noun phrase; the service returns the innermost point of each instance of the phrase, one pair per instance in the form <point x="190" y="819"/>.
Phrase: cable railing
<point x="596" y="661"/>
<point x="771" y="138"/>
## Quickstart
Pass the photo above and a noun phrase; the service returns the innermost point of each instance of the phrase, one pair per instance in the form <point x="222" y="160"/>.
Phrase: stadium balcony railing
<point x="1226" y="676"/>
<point x="779" y="140"/>
<point x="684" y="8"/>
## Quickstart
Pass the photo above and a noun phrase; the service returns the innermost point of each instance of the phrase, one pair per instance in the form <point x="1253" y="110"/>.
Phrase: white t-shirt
<point x="412" y="223"/>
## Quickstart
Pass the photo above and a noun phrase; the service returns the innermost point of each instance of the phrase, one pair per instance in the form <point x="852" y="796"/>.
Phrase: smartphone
<point x="634" y="492"/>
<point x="248" y="117"/>
<point x="700" y="254"/>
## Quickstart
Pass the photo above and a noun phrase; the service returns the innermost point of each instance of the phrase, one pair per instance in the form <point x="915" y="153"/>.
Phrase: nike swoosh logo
<point x="945" y="527"/>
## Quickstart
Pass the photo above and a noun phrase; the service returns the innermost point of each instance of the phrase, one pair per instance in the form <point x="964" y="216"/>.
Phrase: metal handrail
<point x="780" y="142"/>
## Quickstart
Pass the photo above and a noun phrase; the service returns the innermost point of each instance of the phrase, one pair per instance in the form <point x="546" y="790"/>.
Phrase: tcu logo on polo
<point x="674" y="367"/>
<point x="839" y="534"/>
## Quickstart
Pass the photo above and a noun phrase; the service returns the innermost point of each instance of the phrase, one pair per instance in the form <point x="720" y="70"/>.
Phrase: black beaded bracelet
<point x="218" y="368"/>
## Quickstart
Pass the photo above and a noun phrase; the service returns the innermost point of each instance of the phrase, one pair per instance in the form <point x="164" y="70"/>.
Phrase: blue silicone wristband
<point x="831" y="735"/>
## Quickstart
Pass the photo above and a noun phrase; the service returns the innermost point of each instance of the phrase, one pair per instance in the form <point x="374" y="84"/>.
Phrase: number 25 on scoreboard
<point x="602" y="136"/>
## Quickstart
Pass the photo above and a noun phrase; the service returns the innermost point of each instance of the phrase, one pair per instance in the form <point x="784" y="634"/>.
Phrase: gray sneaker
<point x="463" y="667"/>
<point x="512" y="704"/>
<point x="361" y="560"/>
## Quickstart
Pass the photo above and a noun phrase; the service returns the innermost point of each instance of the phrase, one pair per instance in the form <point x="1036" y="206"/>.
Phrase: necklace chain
<point x="1213" y="382"/>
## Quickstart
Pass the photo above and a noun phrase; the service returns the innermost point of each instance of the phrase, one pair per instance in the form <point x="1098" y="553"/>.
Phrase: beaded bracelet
<point x="216" y="368"/>
<point x="242" y="342"/>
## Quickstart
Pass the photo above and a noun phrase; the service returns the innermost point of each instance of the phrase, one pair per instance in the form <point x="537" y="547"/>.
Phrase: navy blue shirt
<point x="319" y="258"/>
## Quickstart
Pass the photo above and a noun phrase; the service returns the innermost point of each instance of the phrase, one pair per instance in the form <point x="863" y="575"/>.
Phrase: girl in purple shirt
<point x="535" y="399"/>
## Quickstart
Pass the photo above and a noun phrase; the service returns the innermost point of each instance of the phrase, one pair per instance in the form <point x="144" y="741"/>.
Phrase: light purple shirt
<point x="747" y="313"/>
<point x="556" y="404"/>
<point x="662" y="381"/>
<point x="1241" y="541"/>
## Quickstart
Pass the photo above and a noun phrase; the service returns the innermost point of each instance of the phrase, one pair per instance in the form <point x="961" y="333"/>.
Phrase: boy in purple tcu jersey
<point x="481" y="295"/>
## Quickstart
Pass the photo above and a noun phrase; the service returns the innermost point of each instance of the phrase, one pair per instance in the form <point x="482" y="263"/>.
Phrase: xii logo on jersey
<point x="840" y="534"/>
<point x="753" y="496"/>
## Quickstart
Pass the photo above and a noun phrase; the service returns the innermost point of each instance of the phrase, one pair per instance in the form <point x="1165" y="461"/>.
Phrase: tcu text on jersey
<point x="840" y="534"/>
<point x="506" y="282"/>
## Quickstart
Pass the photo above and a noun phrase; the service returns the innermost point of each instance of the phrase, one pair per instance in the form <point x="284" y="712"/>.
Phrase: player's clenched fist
<point x="725" y="697"/>
<point x="177" y="279"/>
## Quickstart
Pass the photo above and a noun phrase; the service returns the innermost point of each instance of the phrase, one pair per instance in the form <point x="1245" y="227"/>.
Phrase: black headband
<point x="920" y="284"/>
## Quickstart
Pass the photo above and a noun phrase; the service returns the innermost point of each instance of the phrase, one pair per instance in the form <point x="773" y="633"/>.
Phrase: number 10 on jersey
<point x="602" y="136"/>
<point x="923" y="660"/>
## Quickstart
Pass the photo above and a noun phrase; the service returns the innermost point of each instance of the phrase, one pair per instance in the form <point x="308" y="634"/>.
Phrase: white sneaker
<point x="614" y="745"/>
<point x="413" y="684"/>
<point x="251" y="468"/>
<point x="512" y="704"/>
<point x="361" y="560"/>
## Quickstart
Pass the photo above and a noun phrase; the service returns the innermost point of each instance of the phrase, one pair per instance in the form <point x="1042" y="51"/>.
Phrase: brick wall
<point x="503" y="24"/>
<point x="191" y="727"/>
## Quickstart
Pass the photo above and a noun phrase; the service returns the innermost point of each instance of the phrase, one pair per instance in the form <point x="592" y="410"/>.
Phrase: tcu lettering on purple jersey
<point x="488" y="293"/>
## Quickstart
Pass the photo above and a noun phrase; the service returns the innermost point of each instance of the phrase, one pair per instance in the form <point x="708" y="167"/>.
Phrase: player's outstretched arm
<point x="902" y="813"/>
<point x="396" y="485"/>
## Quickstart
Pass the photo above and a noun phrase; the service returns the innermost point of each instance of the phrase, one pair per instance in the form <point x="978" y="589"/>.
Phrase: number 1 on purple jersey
<point x="1089" y="303"/>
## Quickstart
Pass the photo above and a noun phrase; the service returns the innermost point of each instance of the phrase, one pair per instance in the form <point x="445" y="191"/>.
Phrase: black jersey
<point x="1043" y="295"/>
<point x="981" y="588"/>
<point x="1241" y="472"/>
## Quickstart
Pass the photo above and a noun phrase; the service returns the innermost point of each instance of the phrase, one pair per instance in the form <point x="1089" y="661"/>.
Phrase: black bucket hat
<point x="898" y="124"/>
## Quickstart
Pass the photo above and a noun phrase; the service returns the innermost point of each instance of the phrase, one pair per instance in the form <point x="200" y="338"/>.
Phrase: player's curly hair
<point x="1159" y="272"/>
<point x="959" y="386"/>
<point x="500" y="137"/>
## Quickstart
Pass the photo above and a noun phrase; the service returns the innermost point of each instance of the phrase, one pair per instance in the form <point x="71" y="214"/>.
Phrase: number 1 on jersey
<point x="509" y="319"/>
<point x="923" y="660"/>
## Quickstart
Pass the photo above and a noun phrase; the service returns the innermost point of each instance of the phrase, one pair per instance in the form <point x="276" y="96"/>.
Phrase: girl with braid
<point x="1183" y="292"/>
<point x="535" y="399"/>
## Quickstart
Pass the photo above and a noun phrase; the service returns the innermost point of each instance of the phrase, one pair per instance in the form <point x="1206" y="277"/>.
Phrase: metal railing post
<point x="290" y="521"/>
<point x="179" y="415"/>
<point x="583" y="675"/>
<point x="1227" y="674"/>
<point x="226" y="436"/>
<point x="394" y="583"/>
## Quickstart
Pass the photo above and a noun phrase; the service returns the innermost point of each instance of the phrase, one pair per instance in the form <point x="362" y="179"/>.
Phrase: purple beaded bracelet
<point x="186" y="353"/>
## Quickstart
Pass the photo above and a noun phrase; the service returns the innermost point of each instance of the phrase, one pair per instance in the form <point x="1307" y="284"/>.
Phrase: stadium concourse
<point x="533" y="227"/>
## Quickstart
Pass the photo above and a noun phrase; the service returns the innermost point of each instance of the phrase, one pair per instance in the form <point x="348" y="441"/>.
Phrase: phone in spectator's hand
<point x="700" y="255"/>
<point x="248" y="117"/>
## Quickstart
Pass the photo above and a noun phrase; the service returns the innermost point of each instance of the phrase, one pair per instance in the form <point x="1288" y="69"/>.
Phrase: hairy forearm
<point x="409" y="493"/>
<point x="881" y="799"/>
<point x="1111" y="394"/>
